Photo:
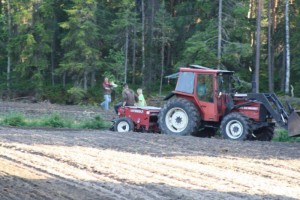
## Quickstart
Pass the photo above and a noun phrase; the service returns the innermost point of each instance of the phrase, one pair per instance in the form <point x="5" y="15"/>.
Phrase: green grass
<point x="281" y="135"/>
<point x="54" y="121"/>
<point x="14" y="119"/>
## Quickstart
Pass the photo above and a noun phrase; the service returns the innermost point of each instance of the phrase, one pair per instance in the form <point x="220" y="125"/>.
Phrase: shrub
<point x="281" y="135"/>
<point x="55" y="94"/>
<point x="96" y="123"/>
<point x="14" y="119"/>
<point x="76" y="95"/>
<point x="54" y="120"/>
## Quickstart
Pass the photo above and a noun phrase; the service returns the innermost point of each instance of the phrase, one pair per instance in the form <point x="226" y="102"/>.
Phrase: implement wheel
<point x="123" y="125"/>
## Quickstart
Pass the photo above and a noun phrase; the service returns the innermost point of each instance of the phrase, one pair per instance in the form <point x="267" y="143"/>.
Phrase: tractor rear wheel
<point x="235" y="126"/>
<point x="264" y="134"/>
<point x="179" y="117"/>
<point x="123" y="125"/>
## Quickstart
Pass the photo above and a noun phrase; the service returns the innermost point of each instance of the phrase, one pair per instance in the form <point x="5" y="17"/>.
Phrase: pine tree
<point x="81" y="47"/>
<point x="163" y="35"/>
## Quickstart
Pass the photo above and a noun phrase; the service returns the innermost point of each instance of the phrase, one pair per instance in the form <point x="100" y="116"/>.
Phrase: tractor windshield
<point x="225" y="82"/>
<point x="185" y="82"/>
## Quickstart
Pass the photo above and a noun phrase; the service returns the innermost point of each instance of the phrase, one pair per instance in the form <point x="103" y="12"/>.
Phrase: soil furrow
<point x="45" y="164"/>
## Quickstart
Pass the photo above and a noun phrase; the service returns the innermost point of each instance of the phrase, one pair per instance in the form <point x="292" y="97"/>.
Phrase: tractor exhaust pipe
<point x="294" y="124"/>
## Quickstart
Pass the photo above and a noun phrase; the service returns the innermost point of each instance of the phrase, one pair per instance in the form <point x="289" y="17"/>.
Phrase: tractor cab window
<point x="225" y="83"/>
<point x="204" y="88"/>
<point x="186" y="82"/>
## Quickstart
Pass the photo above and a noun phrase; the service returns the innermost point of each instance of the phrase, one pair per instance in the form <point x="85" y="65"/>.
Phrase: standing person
<point x="128" y="96"/>
<point x="141" y="99"/>
<point x="107" y="94"/>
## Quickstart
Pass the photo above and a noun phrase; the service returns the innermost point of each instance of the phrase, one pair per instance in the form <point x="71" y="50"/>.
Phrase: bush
<point x="55" y="94"/>
<point x="94" y="95"/>
<point x="96" y="123"/>
<point x="54" y="120"/>
<point x="281" y="135"/>
<point x="14" y="119"/>
<point x="76" y="95"/>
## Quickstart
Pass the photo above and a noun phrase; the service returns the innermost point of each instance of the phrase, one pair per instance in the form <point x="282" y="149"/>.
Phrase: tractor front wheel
<point x="123" y="125"/>
<point x="179" y="117"/>
<point x="235" y="126"/>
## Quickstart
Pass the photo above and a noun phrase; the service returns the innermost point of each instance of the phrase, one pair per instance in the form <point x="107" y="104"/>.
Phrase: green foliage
<point x="81" y="50"/>
<point x="197" y="51"/>
<point x="56" y="94"/>
<point x="242" y="87"/>
<point x="114" y="64"/>
<point x="96" y="123"/>
<point x="235" y="53"/>
<point x="14" y="119"/>
<point x="55" y="121"/>
<point x="76" y="94"/>
<point x="93" y="95"/>
<point x="71" y="42"/>
<point x="281" y="135"/>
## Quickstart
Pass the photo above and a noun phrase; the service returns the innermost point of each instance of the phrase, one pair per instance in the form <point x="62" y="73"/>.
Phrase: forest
<point x="60" y="50"/>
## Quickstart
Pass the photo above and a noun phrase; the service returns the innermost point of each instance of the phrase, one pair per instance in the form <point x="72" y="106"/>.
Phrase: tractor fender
<point x="169" y="96"/>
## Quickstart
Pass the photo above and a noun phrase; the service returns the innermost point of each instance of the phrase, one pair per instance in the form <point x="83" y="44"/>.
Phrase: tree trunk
<point x="143" y="44"/>
<point x="53" y="47"/>
<point x="162" y="53"/>
<point x="64" y="77"/>
<point x="257" y="56"/>
<point x="8" y="46"/>
<point x="93" y="78"/>
<point x="283" y="71"/>
<point x="270" y="52"/>
<point x="134" y="51"/>
<point x="162" y="65"/>
<point x="287" y="46"/>
<point x="219" y="34"/>
<point x="126" y="53"/>
<point x="150" y="58"/>
<point x="275" y="6"/>
<point x="85" y="80"/>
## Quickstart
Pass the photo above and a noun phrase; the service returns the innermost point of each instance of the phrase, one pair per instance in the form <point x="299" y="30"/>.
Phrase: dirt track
<point x="45" y="164"/>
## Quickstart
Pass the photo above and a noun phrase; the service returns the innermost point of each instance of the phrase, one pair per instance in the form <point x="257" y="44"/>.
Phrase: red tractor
<point x="204" y="101"/>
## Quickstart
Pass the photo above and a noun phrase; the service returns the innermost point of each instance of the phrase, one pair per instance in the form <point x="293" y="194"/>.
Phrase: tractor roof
<point x="198" y="68"/>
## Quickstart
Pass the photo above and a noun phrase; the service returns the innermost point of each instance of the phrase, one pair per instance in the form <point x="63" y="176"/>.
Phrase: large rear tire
<point x="235" y="126"/>
<point x="179" y="117"/>
<point x="264" y="134"/>
<point x="123" y="125"/>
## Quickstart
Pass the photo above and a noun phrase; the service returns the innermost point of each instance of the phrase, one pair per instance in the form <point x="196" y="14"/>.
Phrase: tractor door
<point x="205" y="95"/>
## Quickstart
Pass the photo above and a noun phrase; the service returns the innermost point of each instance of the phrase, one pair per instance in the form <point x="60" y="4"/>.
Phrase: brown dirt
<point x="99" y="164"/>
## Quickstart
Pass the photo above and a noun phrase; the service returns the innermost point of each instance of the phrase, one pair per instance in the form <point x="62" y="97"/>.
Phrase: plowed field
<point x="62" y="164"/>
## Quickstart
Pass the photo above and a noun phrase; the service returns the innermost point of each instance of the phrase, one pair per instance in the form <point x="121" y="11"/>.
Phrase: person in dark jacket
<point x="128" y="96"/>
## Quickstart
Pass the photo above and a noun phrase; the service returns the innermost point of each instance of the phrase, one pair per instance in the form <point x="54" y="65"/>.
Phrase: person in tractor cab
<point x="201" y="88"/>
<point x="204" y="88"/>
<point x="129" y="98"/>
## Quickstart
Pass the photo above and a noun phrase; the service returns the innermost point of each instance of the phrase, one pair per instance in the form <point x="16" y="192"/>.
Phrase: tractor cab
<point x="207" y="88"/>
